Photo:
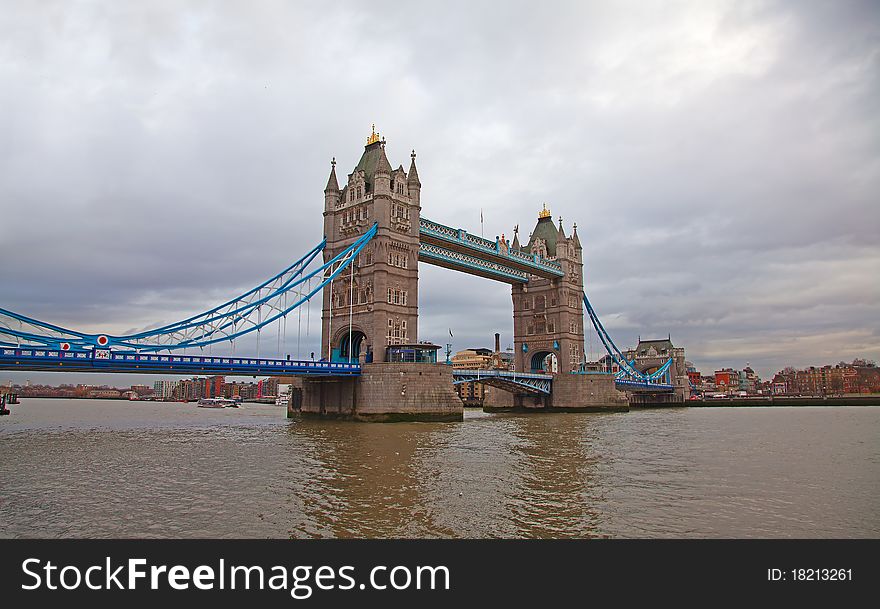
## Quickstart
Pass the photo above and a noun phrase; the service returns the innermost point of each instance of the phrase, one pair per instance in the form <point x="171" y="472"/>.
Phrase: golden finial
<point x="374" y="137"/>
<point x="545" y="213"/>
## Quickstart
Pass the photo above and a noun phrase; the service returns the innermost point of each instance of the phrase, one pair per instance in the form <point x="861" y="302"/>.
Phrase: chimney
<point x="497" y="342"/>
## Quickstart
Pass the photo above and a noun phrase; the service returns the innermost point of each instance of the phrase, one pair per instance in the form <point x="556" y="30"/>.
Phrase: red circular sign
<point x="103" y="340"/>
<point x="65" y="346"/>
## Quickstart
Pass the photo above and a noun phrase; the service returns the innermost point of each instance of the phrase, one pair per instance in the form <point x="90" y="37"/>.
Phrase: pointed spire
<point x="561" y="232"/>
<point x="332" y="183"/>
<point x="574" y="236"/>
<point x="412" y="177"/>
<point x="383" y="166"/>
<point x="515" y="243"/>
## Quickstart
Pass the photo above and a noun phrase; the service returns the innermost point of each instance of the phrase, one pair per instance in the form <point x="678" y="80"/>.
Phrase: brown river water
<point x="92" y="468"/>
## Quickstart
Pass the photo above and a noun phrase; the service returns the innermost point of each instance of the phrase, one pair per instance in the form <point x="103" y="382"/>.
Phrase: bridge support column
<point x="571" y="393"/>
<point x="499" y="400"/>
<point x="385" y="392"/>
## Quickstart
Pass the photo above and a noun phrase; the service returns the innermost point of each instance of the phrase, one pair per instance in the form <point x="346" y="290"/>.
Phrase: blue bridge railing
<point x="100" y="360"/>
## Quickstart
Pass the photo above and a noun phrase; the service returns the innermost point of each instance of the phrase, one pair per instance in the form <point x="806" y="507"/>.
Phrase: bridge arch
<point x="546" y="362"/>
<point x="359" y="344"/>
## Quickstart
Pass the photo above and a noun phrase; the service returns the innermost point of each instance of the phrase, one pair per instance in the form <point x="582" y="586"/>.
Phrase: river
<point x="94" y="468"/>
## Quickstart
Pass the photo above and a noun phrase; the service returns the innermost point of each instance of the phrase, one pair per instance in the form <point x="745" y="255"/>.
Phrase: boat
<point x="217" y="403"/>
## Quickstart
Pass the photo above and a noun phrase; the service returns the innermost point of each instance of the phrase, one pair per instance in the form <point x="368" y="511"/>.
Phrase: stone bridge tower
<point x="548" y="317"/>
<point x="382" y="295"/>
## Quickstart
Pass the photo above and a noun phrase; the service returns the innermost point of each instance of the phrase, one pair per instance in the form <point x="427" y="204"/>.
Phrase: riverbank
<point x="770" y="401"/>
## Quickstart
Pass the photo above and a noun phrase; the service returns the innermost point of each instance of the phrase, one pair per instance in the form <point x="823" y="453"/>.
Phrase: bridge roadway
<point x="151" y="363"/>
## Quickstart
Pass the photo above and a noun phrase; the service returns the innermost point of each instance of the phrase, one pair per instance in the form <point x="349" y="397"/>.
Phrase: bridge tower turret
<point x="383" y="301"/>
<point x="331" y="191"/>
<point x="414" y="186"/>
<point x="548" y="318"/>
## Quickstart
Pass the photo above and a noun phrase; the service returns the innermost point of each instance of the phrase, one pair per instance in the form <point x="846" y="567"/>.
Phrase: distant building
<point x="164" y="389"/>
<point x="245" y="391"/>
<point x="190" y="390"/>
<point x="213" y="387"/>
<point x="472" y="394"/>
<point x="726" y="380"/>
<point x="267" y="388"/>
<point x="472" y="359"/>
<point x="607" y="364"/>
<point x="141" y="390"/>
<point x="693" y="375"/>
<point x="858" y="377"/>
<point x="748" y="381"/>
<point x="105" y="393"/>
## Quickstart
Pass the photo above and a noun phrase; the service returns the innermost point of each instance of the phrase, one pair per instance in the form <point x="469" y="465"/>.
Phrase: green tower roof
<point x="545" y="230"/>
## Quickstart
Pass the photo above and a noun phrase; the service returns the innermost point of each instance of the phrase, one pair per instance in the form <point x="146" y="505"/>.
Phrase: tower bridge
<point x="372" y="365"/>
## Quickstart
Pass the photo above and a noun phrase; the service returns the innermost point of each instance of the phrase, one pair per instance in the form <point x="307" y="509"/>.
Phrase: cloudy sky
<point x="721" y="159"/>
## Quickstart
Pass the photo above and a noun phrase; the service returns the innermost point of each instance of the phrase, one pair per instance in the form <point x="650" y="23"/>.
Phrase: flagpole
<point x="449" y="347"/>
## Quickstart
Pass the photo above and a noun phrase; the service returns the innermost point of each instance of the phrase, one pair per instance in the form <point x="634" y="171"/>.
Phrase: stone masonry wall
<point x="571" y="393"/>
<point x="386" y="392"/>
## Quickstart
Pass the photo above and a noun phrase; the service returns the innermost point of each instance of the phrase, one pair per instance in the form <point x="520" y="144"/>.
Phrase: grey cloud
<point x="720" y="159"/>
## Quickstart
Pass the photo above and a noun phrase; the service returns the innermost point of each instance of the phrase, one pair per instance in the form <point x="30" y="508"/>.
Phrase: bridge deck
<point x="516" y="382"/>
<point x="643" y="386"/>
<point x="130" y="362"/>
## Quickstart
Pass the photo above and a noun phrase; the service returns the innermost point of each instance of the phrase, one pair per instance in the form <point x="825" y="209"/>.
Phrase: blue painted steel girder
<point x="515" y="382"/>
<point x="457" y="261"/>
<point x="460" y="241"/>
<point x="639" y="386"/>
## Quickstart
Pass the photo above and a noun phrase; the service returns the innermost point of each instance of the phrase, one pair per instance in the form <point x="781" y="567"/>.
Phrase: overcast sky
<point x="720" y="158"/>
